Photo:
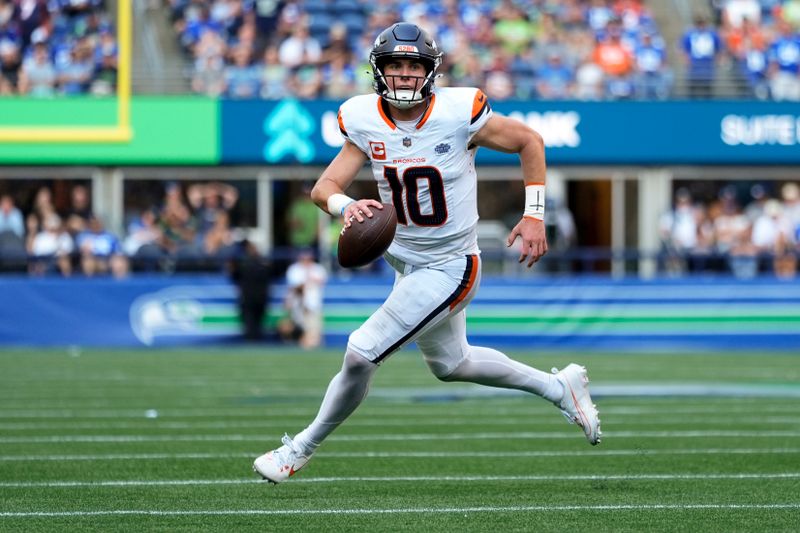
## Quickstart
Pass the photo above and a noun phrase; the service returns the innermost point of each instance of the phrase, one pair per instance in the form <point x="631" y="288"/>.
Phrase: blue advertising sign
<point x="581" y="133"/>
<point x="526" y="313"/>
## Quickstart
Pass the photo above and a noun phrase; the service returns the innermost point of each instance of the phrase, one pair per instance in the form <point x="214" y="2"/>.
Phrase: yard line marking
<point x="400" y="437"/>
<point x="402" y="454"/>
<point x="588" y="477"/>
<point x="549" y="419"/>
<point x="410" y="510"/>
<point x="419" y="410"/>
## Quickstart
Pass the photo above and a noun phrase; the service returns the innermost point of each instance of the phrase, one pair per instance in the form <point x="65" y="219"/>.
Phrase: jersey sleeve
<point x="481" y="112"/>
<point x="347" y="117"/>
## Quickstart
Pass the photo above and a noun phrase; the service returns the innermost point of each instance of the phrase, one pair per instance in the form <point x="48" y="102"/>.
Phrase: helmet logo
<point x="406" y="48"/>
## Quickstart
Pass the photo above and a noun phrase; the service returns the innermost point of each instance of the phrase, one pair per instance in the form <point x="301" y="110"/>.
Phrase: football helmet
<point x="404" y="41"/>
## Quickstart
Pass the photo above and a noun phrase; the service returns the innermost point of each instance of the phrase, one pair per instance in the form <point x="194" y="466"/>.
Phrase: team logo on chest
<point x="406" y="141"/>
<point x="442" y="148"/>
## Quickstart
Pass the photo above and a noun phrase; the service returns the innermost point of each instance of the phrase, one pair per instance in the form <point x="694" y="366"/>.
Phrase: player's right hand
<point x="359" y="209"/>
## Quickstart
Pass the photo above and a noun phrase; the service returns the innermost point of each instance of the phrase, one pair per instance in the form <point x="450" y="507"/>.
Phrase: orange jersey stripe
<point x="424" y="118"/>
<point x="341" y="123"/>
<point x="534" y="183"/>
<point x="386" y="119"/>
<point x="471" y="283"/>
<point x="478" y="104"/>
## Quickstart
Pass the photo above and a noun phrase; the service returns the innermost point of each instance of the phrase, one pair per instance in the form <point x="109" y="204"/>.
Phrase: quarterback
<point x="421" y="143"/>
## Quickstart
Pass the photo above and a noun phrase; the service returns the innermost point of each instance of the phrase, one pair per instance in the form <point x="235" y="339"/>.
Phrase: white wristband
<point x="534" y="201"/>
<point x="337" y="203"/>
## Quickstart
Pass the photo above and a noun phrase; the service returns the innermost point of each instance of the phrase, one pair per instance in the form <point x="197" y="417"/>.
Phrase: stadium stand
<point x="63" y="47"/>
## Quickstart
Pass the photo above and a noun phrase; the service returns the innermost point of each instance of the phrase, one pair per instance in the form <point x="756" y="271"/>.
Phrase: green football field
<point x="163" y="440"/>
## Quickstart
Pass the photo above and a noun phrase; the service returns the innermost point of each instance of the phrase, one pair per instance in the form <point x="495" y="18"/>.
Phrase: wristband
<point x="337" y="203"/>
<point x="534" y="201"/>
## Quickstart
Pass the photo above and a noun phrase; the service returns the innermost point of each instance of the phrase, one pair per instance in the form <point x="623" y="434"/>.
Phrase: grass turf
<point x="164" y="440"/>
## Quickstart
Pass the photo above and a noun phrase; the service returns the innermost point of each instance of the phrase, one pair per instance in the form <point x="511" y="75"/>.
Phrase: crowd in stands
<point x="759" y="39"/>
<point x="572" y="49"/>
<point x="745" y="239"/>
<point x="587" y="49"/>
<point x="191" y="223"/>
<point x="50" y="47"/>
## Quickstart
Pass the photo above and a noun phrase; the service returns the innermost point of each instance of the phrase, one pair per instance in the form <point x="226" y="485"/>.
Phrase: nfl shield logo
<point x="406" y="141"/>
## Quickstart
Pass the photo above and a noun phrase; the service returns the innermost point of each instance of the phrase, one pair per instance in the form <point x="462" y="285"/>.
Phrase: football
<point x="364" y="242"/>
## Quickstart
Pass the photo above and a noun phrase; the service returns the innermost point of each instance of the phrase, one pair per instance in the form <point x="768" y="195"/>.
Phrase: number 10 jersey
<point x="425" y="168"/>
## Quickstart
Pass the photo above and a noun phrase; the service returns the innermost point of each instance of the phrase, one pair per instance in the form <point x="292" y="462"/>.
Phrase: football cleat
<point x="282" y="463"/>
<point x="576" y="404"/>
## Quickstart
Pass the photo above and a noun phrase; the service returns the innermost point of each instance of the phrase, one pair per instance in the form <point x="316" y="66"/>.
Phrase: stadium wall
<point x="576" y="313"/>
<point x="203" y="131"/>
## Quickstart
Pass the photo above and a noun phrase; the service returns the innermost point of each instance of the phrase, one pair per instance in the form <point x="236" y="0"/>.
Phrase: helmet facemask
<point x="406" y="98"/>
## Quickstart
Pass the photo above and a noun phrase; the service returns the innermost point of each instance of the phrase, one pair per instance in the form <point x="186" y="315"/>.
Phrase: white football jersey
<point x="425" y="168"/>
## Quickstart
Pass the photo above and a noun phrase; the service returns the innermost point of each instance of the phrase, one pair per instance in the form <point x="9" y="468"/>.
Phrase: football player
<point x="421" y="143"/>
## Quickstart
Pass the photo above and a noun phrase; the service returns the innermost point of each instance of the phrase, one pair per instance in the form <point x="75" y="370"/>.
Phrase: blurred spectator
<point x="555" y="80"/>
<point x="702" y="46"/>
<point x="142" y="242"/>
<point x="177" y="225"/>
<point x="679" y="231"/>
<point x="105" y="64"/>
<point x="74" y="76"/>
<point x="10" y="63"/>
<point x="755" y="207"/>
<point x="589" y="78"/>
<point x="101" y="251"/>
<point x="617" y="62"/>
<point x="80" y="210"/>
<point x="773" y="235"/>
<point x="303" y="220"/>
<point x="338" y="78"/>
<point x="41" y="209"/>
<point x="299" y="48"/>
<point x="51" y="248"/>
<point x="305" y="281"/>
<point x="790" y="193"/>
<point x="251" y="273"/>
<point x="209" y="76"/>
<point x="210" y="201"/>
<point x="653" y="78"/>
<point x="274" y="76"/>
<point x="732" y="236"/>
<point x="784" y="64"/>
<point x="242" y="78"/>
<point x="11" y="217"/>
<point x="306" y="82"/>
<point x="37" y="76"/>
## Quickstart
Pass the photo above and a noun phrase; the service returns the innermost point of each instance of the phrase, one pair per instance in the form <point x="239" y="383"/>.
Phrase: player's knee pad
<point x="355" y="363"/>
<point x="445" y="370"/>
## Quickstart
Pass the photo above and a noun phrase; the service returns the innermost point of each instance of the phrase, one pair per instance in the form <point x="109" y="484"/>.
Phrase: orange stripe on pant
<point x="471" y="283"/>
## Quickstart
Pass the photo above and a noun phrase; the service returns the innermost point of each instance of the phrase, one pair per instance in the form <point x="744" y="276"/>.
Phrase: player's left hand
<point x="534" y="240"/>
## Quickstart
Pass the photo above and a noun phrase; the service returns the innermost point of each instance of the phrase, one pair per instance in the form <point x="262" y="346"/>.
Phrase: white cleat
<point x="279" y="465"/>
<point x="576" y="404"/>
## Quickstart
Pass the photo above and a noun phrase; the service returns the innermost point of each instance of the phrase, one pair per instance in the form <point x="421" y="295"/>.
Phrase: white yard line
<point x="610" y="477"/>
<point x="409" y="510"/>
<point x="415" y="411"/>
<point x="402" y="437"/>
<point x="542" y="419"/>
<point x="403" y="454"/>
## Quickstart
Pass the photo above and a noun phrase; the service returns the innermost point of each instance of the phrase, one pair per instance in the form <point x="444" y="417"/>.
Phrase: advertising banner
<point x="163" y="131"/>
<point x="571" y="313"/>
<point x="581" y="133"/>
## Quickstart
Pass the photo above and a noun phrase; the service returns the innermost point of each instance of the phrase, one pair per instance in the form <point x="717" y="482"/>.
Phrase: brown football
<point x="364" y="242"/>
